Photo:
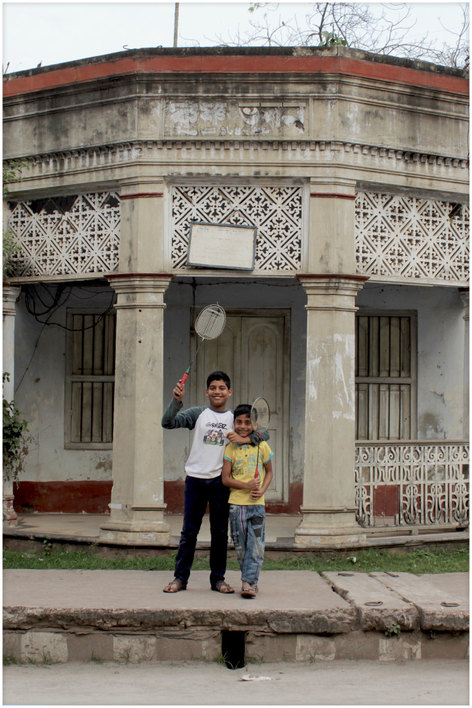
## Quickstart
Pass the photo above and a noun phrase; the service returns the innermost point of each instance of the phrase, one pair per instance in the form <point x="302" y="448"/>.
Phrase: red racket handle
<point x="184" y="378"/>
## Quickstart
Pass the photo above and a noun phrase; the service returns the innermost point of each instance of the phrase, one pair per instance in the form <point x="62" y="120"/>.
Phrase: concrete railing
<point x="412" y="483"/>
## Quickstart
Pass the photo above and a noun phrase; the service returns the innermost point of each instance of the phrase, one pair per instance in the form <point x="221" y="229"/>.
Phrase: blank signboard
<point x="221" y="246"/>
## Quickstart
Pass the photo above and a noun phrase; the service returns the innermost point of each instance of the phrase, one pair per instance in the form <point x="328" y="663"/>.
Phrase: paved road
<point x="432" y="682"/>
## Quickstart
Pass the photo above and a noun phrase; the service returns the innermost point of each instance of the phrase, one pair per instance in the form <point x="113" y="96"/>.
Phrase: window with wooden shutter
<point x="90" y="380"/>
<point x="385" y="376"/>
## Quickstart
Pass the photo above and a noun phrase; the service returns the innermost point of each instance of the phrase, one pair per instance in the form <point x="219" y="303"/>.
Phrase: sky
<point x="53" y="32"/>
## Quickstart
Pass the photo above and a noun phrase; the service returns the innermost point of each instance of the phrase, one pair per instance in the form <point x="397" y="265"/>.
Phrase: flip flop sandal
<point x="175" y="585"/>
<point x="223" y="587"/>
<point x="248" y="590"/>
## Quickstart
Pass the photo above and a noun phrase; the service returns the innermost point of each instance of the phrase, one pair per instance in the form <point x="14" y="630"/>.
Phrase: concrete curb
<point x="298" y="616"/>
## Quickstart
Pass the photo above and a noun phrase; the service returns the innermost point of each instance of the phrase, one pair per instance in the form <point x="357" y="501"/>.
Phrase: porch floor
<point x="280" y="532"/>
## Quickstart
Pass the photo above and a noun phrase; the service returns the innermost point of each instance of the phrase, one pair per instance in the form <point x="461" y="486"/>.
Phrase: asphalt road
<point x="426" y="682"/>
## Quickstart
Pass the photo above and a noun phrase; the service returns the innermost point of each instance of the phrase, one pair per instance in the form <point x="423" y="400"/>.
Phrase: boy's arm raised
<point x="174" y="417"/>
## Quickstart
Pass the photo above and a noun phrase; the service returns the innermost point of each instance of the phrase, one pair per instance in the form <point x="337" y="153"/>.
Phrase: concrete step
<point x="75" y="615"/>
<point x="72" y="530"/>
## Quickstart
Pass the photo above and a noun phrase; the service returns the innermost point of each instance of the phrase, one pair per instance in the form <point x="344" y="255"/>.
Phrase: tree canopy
<point x="383" y="28"/>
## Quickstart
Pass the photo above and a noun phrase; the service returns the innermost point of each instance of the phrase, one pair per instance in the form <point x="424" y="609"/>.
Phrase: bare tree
<point x="386" y="28"/>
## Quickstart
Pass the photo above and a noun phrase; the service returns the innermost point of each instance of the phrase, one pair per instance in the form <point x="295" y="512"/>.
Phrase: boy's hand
<point x="253" y="486"/>
<point x="179" y="391"/>
<point x="235" y="438"/>
<point x="256" y="493"/>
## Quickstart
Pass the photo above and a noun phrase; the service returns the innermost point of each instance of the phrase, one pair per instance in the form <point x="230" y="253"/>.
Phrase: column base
<point x="10" y="517"/>
<point x="329" y="530"/>
<point x="135" y="533"/>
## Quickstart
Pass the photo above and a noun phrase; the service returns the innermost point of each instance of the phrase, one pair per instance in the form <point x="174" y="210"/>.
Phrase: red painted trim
<point x="116" y="276"/>
<point x="91" y="497"/>
<point x="205" y="64"/>
<point x="174" y="498"/>
<point x="386" y="500"/>
<point x="329" y="276"/>
<point x="332" y="195"/>
<point x="142" y="195"/>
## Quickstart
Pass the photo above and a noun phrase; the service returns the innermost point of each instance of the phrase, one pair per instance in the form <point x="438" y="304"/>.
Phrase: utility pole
<point x="176" y="23"/>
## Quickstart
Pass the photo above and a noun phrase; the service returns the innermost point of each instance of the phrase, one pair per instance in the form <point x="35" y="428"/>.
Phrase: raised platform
<point x="73" y="529"/>
<point x="123" y="616"/>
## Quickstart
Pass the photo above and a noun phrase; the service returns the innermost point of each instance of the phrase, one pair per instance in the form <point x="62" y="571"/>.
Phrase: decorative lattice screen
<point x="276" y="212"/>
<point x="428" y="481"/>
<point x="66" y="235"/>
<point x="412" y="239"/>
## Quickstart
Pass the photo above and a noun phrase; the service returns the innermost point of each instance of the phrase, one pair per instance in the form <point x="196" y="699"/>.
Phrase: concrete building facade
<point x="352" y="319"/>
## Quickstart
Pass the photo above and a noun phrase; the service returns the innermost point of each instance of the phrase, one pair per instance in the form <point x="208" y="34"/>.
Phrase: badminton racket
<point x="260" y="419"/>
<point x="209" y="324"/>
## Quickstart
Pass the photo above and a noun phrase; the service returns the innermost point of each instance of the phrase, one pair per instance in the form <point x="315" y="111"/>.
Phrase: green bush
<point x="15" y="438"/>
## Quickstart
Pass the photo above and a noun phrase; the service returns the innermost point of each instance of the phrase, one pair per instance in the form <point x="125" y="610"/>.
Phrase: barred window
<point x="90" y="380"/>
<point x="386" y="376"/>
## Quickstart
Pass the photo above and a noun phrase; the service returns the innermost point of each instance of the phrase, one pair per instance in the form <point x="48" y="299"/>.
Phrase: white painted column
<point x="329" y="484"/>
<point x="10" y="297"/>
<point x="137" y="501"/>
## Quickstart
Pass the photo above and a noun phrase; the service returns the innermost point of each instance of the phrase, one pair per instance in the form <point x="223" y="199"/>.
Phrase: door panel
<point x="254" y="352"/>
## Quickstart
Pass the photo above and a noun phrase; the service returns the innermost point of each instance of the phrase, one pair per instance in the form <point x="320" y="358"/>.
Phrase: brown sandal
<point x="223" y="587"/>
<point x="248" y="590"/>
<point x="174" y="586"/>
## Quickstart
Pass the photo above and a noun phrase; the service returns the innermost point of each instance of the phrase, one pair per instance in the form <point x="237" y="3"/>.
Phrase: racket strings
<point x="210" y="322"/>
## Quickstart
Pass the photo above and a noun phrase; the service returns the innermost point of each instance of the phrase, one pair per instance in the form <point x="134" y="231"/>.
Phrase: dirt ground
<point x="424" y="682"/>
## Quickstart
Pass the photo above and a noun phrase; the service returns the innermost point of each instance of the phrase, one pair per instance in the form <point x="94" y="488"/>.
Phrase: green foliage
<point x="330" y="39"/>
<point x="15" y="438"/>
<point x="9" y="660"/>
<point x="9" y="249"/>
<point x="12" y="171"/>
<point x="90" y="558"/>
<point x="393" y="630"/>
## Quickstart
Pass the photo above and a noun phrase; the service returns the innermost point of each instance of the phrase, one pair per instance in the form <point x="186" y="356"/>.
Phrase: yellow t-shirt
<point x="244" y="460"/>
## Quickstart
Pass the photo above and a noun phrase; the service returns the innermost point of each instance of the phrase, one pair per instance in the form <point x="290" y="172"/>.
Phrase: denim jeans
<point x="247" y="524"/>
<point x="199" y="493"/>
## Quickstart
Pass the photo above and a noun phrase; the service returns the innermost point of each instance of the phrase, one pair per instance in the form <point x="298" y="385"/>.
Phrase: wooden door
<point x="254" y="352"/>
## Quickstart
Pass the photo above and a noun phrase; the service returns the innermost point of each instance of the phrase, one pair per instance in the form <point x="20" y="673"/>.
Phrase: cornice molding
<point x="142" y="151"/>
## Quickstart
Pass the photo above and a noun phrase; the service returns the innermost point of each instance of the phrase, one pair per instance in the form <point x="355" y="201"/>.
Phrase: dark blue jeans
<point x="199" y="493"/>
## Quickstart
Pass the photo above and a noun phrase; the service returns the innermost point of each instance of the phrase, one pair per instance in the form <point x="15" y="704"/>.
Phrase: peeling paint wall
<point x="442" y="365"/>
<point x="40" y="395"/>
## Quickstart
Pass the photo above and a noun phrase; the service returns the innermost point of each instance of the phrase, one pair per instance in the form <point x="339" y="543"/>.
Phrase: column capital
<point x="142" y="187"/>
<point x="11" y="293"/>
<point x="139" y="289"/>
<point x="331" y="291"/>
<point x="306" y="278"/>
<point x="333" y="189"/>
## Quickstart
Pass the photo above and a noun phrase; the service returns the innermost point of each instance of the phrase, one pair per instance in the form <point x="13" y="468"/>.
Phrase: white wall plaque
<point x="221" y="246"/>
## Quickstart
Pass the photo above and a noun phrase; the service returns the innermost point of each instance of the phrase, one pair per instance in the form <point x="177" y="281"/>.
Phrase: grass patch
<point x="364" y="561"/>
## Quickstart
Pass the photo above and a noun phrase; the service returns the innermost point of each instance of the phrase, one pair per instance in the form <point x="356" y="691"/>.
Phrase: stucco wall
<point x="442" y="370"/>
<point x="41" y="352"/>
<point x="288" y="94"/>
<point x="40" y="382"/>
<point x="40" y="369"/>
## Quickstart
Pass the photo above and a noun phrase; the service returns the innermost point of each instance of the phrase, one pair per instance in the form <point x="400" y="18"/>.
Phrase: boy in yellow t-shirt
<point x="247" y="470"/>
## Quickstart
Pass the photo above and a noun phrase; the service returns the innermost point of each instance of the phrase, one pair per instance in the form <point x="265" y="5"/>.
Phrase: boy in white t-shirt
<point x="247" y="470"/>
<point x="213" y="426"/>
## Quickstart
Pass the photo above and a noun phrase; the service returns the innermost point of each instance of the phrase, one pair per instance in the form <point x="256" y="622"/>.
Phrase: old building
<point x="352" y="318"/>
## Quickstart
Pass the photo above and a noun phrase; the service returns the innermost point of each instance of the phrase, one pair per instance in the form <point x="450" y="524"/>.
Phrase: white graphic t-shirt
<point x="206" y="454"/>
